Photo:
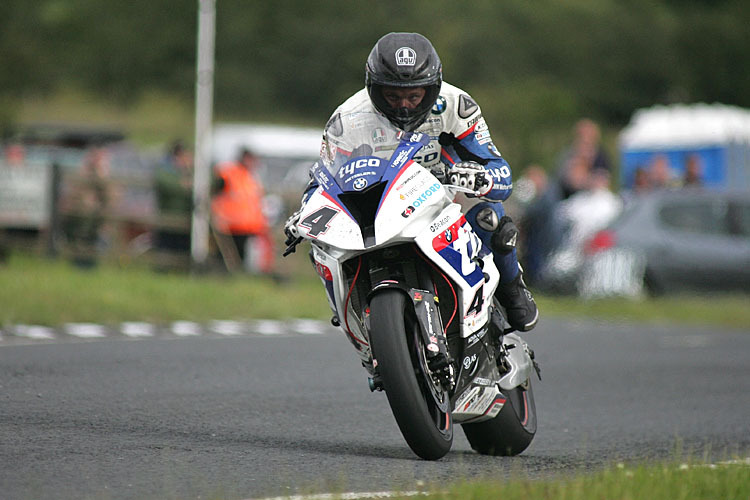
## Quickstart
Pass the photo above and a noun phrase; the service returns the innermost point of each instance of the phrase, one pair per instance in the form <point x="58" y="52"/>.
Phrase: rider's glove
<point x="290" y="227"/>
<point x="293" y="237"/>
<point x="470" y="175"/>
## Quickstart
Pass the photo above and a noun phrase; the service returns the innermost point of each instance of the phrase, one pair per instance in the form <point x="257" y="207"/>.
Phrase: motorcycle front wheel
<point x="512" y="430"/>
<point x="420" y="406"/>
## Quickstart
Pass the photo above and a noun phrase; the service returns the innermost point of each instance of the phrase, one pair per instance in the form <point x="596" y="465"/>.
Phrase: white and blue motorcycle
<point x="412" y="287"/>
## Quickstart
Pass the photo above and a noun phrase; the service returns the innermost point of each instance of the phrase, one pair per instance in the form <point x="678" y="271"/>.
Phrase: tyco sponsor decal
<point x="350" y="167"/>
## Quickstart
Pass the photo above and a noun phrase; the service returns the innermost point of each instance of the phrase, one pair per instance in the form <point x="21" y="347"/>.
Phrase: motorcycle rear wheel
<point x="511" y="431"/>
<point x="421" y="408"/>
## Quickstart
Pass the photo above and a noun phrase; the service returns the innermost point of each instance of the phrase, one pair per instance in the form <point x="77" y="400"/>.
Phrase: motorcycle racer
<point x="404" y="82"/>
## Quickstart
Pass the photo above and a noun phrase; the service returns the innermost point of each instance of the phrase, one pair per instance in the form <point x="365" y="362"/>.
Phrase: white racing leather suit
<point x="458" y="132"/>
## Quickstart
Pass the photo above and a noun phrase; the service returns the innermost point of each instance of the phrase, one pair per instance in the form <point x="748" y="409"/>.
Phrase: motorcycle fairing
<point x="518" y="360"/>
<point x="367" y="175"/>
<point x="336" y="292"/>
<point x="451" y="244"/>
<point x="477" y="396"/>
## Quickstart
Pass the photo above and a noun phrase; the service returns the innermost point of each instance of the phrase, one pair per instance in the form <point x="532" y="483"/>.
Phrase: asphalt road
<point x="252" y="416"/>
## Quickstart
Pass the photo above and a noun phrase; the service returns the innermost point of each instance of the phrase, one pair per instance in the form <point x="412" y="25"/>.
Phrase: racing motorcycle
<point x="412" y="287"/>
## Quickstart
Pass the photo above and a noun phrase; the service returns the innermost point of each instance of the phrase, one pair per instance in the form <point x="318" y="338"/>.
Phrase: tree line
<point x="534" y="67"/>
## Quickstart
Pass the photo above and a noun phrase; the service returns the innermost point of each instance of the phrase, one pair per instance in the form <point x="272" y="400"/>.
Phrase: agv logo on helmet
<point x="405" y="56"/>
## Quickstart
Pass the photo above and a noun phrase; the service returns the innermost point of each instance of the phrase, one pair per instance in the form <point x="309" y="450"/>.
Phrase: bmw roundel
<point x="359" y="183"/>
<point x="439" y="106"/>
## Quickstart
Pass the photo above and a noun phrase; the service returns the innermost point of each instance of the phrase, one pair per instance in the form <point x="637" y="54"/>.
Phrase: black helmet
<point x="404" y="60"/>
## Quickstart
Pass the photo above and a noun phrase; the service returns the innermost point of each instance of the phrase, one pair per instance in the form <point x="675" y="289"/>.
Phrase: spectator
<point x="174" y="196"/>
<point x="578" y="217"/>
<point x="536" y="203"/>
<point x="15" y="155"/>
<point x="693" y="171"/>
<point x="641" y="181"/>
<point x="583" y="157"/>
<point x="87" y="207"/>
<point x="237" y="211"/>
<point x="660" y="173"/>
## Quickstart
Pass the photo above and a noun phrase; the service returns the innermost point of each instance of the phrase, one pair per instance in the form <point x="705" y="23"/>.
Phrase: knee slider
<point x="504" y="231"/>
<point x="504" y="239"/>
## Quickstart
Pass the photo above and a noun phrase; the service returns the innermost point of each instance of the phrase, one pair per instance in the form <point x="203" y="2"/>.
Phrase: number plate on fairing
<point x="459" y="245"/>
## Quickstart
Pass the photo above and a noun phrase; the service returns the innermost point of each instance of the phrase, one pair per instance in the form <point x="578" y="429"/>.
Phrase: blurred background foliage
<point x="534" y="67"/>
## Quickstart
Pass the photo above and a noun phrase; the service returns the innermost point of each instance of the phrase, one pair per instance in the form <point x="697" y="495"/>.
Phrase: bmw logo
<point x="359" y="184"/>
<point x="439" y="106"/>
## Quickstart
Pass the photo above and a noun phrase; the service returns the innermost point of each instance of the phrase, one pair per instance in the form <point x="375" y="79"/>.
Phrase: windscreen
<point x="351" y="135"/>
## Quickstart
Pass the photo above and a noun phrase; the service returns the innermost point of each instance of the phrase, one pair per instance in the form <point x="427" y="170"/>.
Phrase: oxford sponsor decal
<point x="426" y="195"/>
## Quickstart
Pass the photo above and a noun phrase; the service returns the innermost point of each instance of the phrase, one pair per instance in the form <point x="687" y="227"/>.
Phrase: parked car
<point x="671" y="241"/>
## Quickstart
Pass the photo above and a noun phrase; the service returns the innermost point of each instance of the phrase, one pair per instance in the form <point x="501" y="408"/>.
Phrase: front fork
<point x="439" y="361"/>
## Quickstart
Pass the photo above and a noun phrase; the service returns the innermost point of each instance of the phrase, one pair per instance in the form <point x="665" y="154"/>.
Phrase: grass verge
<point x="680" y="480"/>
<point x="41" y="291"/>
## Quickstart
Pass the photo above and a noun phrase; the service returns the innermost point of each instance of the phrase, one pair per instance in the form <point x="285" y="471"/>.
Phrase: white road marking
<point x="349" y="496"/>
<point x="186" y="328"/>
<point x="229" y="328"/>
<point x="35" y="332"/>
<point x="137" y="329"/>
<point x="269" y="327"/>
<point x="85" y="330"/>
<point x="142" y="329"/>
<point x="309" y="326"/>
<point x="687" y="341"/>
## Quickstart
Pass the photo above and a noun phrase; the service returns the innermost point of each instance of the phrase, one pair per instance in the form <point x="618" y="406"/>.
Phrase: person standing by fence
<point x="88" y="201"/>
<point x="237" y="211"/>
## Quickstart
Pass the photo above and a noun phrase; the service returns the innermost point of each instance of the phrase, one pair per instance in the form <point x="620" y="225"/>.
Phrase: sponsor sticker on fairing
<point x="427" y="194"/>
<point x="402" y="158"/>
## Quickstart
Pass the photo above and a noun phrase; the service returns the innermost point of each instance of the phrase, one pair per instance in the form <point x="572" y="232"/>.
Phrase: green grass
<point x="668" y="481"/>
<point x="727" y="310"/>
<point x="52" y="292"/>
<point x="42" y="291"/>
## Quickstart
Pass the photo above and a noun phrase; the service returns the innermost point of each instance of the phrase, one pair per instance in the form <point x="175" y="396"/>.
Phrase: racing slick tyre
<point x="420" y="406"/>
<point x="512" y="430"/>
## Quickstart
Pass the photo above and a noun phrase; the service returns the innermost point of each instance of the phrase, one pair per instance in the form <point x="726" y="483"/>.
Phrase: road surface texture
<point x="233" y="413"/>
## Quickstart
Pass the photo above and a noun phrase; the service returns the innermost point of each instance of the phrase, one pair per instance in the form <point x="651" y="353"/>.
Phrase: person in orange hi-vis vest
<point x="237" y="210"/>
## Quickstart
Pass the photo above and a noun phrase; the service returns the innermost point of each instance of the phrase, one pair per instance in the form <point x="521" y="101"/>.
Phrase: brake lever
<point x="292" y="247"/>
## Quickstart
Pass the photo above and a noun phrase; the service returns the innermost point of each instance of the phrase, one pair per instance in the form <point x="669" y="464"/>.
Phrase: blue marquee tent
<point x="719" y="135"/>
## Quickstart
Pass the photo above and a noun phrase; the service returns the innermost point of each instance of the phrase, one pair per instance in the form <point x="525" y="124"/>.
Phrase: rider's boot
<point x="518" y="303"/>
<point x="499" y="233"/>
